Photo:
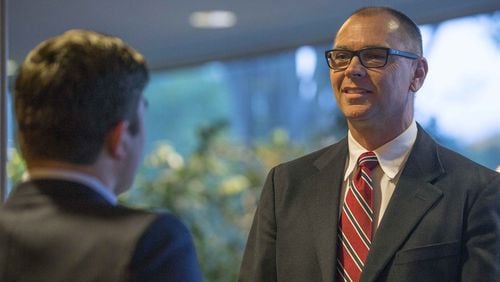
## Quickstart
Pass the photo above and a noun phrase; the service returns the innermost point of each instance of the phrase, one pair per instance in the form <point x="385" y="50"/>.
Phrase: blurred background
<point x="237" y="88"/>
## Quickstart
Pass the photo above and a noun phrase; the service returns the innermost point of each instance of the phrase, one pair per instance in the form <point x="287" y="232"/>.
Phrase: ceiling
<point x="160" y="29"/>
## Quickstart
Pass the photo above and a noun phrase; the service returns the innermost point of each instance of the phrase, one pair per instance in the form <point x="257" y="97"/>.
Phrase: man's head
<point x="72" y="91"/>
<point x="377" y="86"/>
<point x="408" y="31"/>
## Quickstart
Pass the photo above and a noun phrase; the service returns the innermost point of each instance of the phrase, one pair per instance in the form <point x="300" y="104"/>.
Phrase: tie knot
<point x="368" y="160"/>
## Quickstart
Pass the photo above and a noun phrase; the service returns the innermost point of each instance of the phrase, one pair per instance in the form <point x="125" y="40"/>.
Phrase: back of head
<point x="71" y="90"/>
<point x="412" y="34"/>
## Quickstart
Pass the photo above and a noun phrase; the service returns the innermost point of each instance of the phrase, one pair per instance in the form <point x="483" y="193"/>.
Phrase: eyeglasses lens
<point x="370" y="58"/>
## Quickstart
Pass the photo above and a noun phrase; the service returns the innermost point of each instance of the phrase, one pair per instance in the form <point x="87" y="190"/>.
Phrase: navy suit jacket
<point x="441" y="224"/>
<point x="55" y="230"/>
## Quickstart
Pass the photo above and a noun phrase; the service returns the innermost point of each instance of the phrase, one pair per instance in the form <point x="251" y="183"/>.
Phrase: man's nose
<point x="355" y="68"/>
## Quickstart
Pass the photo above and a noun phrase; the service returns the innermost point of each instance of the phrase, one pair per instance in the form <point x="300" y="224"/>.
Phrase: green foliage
<point x="15" y="166"/>
<point x="214" y="191"/>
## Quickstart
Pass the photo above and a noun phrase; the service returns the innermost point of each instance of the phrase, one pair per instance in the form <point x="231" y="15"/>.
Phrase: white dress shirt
<point x="73" y="176"/>
<point x="392" y="158"/>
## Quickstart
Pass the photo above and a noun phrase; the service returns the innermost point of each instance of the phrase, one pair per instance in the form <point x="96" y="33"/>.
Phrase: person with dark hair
<point x="386" y="203"/>
<point x="79" y="109"/>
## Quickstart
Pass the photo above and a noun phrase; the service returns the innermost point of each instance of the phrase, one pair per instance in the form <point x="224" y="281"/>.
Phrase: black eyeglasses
<point x="373" y="57"/>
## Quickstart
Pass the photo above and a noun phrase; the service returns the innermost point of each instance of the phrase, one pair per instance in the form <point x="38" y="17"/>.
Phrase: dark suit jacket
<point x="442" y="222"/>
<point x="54" y="230"/>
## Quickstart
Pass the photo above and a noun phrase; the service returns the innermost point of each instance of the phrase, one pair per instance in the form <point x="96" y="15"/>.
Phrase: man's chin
<point x="357" y="112"/>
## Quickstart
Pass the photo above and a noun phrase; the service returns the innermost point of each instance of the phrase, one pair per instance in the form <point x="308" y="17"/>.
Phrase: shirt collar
<point x="391" y="156"/>
<point x="70" y="175"/>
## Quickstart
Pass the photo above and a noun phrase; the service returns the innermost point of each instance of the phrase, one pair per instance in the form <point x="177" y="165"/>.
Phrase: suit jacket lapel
<point x="413" y="196"/>
<point x="323" y="209"/>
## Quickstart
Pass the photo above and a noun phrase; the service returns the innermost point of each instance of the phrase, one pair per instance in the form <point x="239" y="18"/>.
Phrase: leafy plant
<point x="214" y="191"/>
<point x="15" y="166"/>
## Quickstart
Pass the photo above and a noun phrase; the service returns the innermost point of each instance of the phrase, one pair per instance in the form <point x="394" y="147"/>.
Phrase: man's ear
<point x="419" y="75"/>
<point x="116" y="139"/>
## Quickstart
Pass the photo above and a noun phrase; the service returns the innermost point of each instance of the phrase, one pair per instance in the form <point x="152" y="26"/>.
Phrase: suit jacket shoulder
<point x="293" y="233"/>
<point x="165" y="250"/>
<point x="64" y="231"/>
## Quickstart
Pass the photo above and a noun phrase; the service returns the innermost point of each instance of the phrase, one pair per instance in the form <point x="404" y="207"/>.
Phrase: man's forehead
<point x="382" y="25"/>
<point x="383" y="20"/>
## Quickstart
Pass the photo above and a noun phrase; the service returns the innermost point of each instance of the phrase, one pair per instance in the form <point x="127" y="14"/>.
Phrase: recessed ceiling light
<point x="212" y="19"/>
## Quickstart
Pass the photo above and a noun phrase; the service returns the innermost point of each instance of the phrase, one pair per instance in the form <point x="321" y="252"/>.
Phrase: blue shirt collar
<point x="75" y="176"/>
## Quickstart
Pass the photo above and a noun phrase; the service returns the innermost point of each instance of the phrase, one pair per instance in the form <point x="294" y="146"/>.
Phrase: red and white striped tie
<point x="355" y="224"/>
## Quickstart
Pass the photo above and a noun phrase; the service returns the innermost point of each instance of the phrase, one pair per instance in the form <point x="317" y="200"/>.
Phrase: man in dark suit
<point x="79" y="108"/>
<point x="433" y="215"/>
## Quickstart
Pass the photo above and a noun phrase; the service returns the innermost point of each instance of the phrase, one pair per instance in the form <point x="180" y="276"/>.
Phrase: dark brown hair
<point x="71" y="90"/>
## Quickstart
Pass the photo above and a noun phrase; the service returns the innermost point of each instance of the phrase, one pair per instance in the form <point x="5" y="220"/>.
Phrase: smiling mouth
<point x="348" y="90"/>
